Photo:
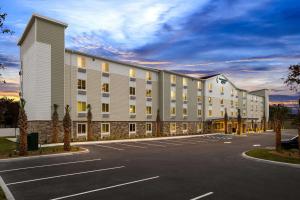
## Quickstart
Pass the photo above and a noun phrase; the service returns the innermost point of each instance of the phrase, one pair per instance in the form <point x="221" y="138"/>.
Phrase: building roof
<point x="31" y="21"/>
<point x="210" y="76"/>
<point x="110" y="60"/>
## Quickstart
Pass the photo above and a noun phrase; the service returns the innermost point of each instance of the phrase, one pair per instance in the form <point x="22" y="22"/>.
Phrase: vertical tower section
<point x="42" y="49"/>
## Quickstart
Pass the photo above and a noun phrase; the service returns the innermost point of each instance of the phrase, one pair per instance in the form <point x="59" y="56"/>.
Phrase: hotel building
<point x="126" y="99"/>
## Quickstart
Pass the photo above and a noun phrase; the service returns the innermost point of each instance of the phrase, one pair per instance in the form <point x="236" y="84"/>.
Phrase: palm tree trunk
<point x="278" y="136"/>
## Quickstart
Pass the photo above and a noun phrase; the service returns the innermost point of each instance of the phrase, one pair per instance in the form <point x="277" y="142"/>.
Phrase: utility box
<point x="33" y="141"/>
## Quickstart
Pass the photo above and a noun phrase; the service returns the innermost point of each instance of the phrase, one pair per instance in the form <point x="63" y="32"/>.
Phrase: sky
<point x="252" y="42"/>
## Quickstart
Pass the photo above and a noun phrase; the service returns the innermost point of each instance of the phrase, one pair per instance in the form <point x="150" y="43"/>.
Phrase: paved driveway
<point x="207" y="167"/>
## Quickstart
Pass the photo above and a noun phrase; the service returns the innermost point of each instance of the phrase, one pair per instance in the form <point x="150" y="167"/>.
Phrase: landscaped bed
<point x="286" y="156"/>
<point x="7" y="149"/>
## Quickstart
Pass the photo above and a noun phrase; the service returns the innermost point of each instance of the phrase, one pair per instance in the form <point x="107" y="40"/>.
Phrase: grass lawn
<point x="7" y="149"/>
<point x="287" y="156"/>
<point x="2" y="195"/>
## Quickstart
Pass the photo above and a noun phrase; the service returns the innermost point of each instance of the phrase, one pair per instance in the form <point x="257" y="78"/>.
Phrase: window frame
<point x="106" y="133"/>
<point x="149" y="131"/>
<point x="79" y="84"/>
<point x="171" y="125"/>
<point x="85" y="111"/>
<point x="105" y="112"/>
<point x="77" y="128"/>
<point x="129" y="127"/>
<point x="134" y="106"/>
<point x="107" y="88"/>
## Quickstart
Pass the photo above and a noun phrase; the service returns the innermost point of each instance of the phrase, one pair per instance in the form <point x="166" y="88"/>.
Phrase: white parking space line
<point x="106" y="188"/>
<point x="51" y="165"/>
<point x="129" y="145"/>
<point x="202" y="196"/>
<point x="256" y="145"/>
<point x="227" y="142"/>
<point x="109" y="147"/>
<point x="176" y="144"/>
<point x="64" y="175"/>
<point x="150" y="144"/>
<point x="184" y="142"/>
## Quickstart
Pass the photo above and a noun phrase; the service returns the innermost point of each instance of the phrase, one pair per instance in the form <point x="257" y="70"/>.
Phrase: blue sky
<point x="253" y="42"/>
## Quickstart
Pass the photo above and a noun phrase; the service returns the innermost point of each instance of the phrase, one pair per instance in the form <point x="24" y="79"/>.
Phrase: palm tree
<point x="90" y="135"/>
<point x="23" y="126"/>
<point x="55" y="127"/>
<point x="239" y="119"/>
<point x="280" y="113"/>
<point x="158" y="124"/>
<point x="67" y="129"/>
<point x="226" y="121"/>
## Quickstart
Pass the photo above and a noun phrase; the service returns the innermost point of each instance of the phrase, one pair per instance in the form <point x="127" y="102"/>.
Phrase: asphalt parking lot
<point x="206" y="167"/>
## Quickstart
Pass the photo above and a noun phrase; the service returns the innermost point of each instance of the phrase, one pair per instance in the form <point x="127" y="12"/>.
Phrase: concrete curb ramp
<point x="43" y="156"/>
<point x="6" y="191"/>
<point x="270" y="161"/>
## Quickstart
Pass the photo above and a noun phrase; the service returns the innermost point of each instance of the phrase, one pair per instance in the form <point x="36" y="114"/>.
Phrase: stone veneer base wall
<point x="118" y="129"/>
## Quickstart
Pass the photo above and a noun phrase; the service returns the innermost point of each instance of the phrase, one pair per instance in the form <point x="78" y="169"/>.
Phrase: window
<point x="184" y="81"/>
<point x="132" y="91"/>
<point x="172" y="127"/>
<point x="173" y="110"/>
<point x="148" y="127"/>
<point x="222" y="89"/>
<point x="105" y="107"/>
<point x="81" y="129"/>
<point x="81" y="106"/>
<point x="184" y="112"/>
<point x="148" y="93"/>
<point x="105" y="67"/>
<point x="173" y="79"/>
<point x="132" y="73"/>
<point x="199" y="99"/>
<point x="222" y="101"/>
<point x="210" y="100"/>
<point x="105" y="87"/>
<point x="231" y="102"/>
<point x="105" y="128"/>
<point x="199" y="127"/>
<point x="184" y="127"/>
<point x="199" y="85"/>
<point x="231" y="113"/>
<point x="148" y="76"/>
<point x="199" y="111"/>
<point x="80" y="62"/>
<point x="81" y="84"/>
<point x="132" y="128"/>
<point x="222" y="113"/>
<point x="173" y="95"/>
<point x="184" y="95"/>
<point x="210" y="86"/>
<point x="148" y="110"/>
<point x="209" y="113"/>
<point x="132" y="109"/>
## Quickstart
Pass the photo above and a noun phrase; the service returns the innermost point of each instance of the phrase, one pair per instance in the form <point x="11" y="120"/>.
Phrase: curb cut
<point x="85" y="150"/>
<point x="130" y="140"/>
<point x="5" y="189"/>
<point x="244" y="155"/>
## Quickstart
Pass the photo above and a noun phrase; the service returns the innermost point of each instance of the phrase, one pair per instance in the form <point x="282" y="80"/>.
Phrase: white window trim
<point x="199" y="129"/>
<point x="186" y="130"/>
<point x="81" y="134"/>
<point x="129" y="109"/>
<point x="108" y="108"/>
<point x="85" y="106"/>
<point x="173" y="131"/>
<point x="131" y="132"/>
<point x="148" y="113"/>
<point x="105" y="133"/>
<point x="148" y="132"/>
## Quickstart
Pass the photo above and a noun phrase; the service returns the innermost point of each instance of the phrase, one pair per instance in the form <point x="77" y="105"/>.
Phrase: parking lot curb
<point x="43" y="156"/>
<point x="6" y="191"/>
<point x="131" y="140"/>
<point x="244" y="155"/>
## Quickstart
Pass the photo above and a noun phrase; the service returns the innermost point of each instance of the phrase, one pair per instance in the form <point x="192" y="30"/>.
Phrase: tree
<point x="280" y="113"/>
<point x="226" y="121"/>
<point x="3" y="29"/>
<point x="55" y="126"/>
<point x="23" y="126"/>
<point x="158" y="124"/>
<point x="90" y="135"/>
<point x="239" y="119"/>
<point x="67" y="129"/>
<point x="293" y="81"/>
